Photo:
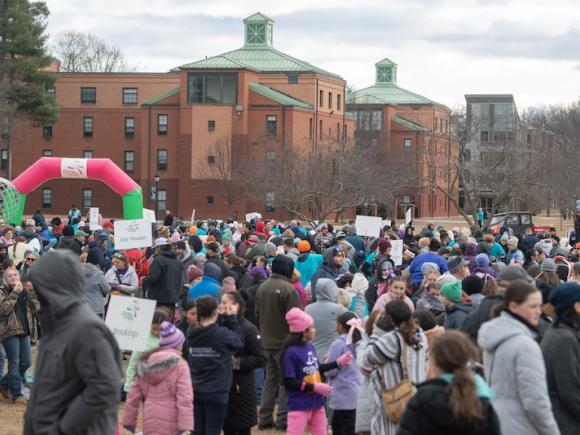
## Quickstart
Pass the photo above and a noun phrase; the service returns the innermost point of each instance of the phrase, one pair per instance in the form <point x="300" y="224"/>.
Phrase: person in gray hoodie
<point x="513" y="364"/>
<point x="325" y="311"/>
<point x="78" y="369"/>
<point x="96" y="286"/>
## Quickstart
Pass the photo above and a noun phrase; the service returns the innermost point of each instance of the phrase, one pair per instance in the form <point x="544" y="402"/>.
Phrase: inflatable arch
<point x="48" y="168"/>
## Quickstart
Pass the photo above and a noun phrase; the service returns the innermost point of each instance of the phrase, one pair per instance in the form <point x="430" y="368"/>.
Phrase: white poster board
<point x="193" y="216"/>
<point x="134" y="233"/>
<point x="409" y="216"/>
<point x="386" y="223"/>
<point x="129" y="319"/>
<point x="94" y="219"/>
<point x="368" y="226"/>
<point x="255" y="215"/>
<point x="397" y="252"/>
<point x="149" y="215"/>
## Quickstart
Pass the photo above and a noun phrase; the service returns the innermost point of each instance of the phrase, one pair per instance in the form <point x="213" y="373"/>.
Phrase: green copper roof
<point x="388" y="94"/>
<point x="158" y="98"/>
<point x="280" y="97"/>
<point x="385" y="61"/>
<point x="258" y="18"/>
<point x="408" y="123"/>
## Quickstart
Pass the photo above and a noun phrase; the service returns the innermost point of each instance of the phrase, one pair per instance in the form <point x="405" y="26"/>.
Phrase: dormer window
<point x="256" y="34"/>
<point x="258" y="30"/>
<point x="384" y="74"/>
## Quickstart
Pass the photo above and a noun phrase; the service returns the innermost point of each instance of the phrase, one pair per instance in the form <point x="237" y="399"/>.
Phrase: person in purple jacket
<point x="431" y="257"/>
<point x="345" y="381"/>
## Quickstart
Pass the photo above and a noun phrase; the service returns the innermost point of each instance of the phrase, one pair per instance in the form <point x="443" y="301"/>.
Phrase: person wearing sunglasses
<point x="122" y="276"/>
<point x="28" y="260"/>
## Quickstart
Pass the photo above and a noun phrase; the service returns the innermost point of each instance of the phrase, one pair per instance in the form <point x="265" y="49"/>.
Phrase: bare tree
<point x="224" y="171"/>
<point x="84" y="52"/>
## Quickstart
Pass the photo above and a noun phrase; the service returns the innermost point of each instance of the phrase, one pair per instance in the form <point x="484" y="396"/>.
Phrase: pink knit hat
<point x="298" y="320"/>
<point x="169" y="336"/>
<point x="229" y="285"/>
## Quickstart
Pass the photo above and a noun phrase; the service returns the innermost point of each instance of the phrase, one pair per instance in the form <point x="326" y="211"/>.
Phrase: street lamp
<point x="156" y="178"/>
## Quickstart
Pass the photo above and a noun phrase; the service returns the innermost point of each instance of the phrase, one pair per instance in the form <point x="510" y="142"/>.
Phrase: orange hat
<point x="193" y="230"/>
<point x="210" y="239"/>
<point x="303" y="246"/>
<point x="578" y="245"/>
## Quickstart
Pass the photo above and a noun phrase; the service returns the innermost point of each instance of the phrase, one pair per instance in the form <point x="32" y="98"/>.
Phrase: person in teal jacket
<point x="307" y="263"/>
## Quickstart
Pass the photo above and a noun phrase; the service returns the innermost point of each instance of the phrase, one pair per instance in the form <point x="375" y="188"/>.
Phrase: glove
<point x="322" y="389"/>
<point x="345" y="359"/>
<point x="130" y="429"/>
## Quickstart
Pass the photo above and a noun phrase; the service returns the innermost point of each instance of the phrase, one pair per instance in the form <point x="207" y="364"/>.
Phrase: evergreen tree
<point x="24" y="77"/>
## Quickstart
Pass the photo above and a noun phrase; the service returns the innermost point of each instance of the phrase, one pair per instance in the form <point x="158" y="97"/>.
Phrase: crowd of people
<point x="287" y="327"/>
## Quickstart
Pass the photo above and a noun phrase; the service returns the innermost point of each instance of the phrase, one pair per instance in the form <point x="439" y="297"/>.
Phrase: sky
<point x="444" y="48"/>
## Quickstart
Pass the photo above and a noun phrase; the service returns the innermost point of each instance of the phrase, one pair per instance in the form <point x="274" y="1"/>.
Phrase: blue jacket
<point x="307" y="264"/>
<point x="208" y="286"/>
<point x="428" y="257"/>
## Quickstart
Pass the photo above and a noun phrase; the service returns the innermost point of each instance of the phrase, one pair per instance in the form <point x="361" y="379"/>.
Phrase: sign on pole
<point x="134" y="233"/>
<point x="94" y="219"/>
<point x="255" y="215"/>
<point x="193" y="216"/>
<point x="386" y="223"/>
<point x="397" y="252"/>
<point x="129" y="319"/>
<point x="368" y="226"/>
<point x="409" y="216"/>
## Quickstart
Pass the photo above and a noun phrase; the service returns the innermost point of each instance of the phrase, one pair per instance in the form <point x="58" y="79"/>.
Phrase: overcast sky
<point x="444" y="48"/>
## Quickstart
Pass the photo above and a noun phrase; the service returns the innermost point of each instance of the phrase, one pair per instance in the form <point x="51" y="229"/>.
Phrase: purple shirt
<point x="301" y="363"/>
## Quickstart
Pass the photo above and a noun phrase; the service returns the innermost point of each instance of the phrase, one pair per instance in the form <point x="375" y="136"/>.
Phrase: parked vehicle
<point x="518" y="221"/>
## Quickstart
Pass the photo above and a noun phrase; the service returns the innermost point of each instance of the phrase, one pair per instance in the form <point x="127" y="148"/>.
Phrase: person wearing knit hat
<point x="192" y="230"/>
<point x="209" y="285"/>
<point x="175" y="237"/>
<point x="303" y="246"/>
<point x="308" y="262"/>
<point x="357" y="289"/>
<point x="298" y="320"/>
<point x="194" y="274"/>
<point x="170" y="337"/>
<point x="229" y="285"/>
<point x="456" y="310"/>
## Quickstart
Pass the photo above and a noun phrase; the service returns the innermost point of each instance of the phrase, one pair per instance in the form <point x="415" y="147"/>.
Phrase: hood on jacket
<point x="326" y="290"/>
<point x="213" y="271"/>
<point x="168" y="254"/>
<point x="470" y="250"/>
<point x="90" y="270"/>
<point x="359" y="283"/>
<point x="59" y="281"/>
<point x="66" y="241"/>
<point x="495" y="332"/>
<point x="158" y="364"/>
<point x="329" y="255"/>
<point x="461" y="306"/>
<point x="283" y="265"/>
<point x="380" y="266"/>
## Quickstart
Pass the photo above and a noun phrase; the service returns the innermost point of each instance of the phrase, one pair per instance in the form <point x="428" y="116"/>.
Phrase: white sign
<point x="386" y="223"/>
<point x="397" y="252"/>
<point x="73" y="168"/>
<point x="129" y="319"/>
<point x="134" y="233"/>
<point x="193" y="216"/>
<point x="149" y="215"/>
<point x="368" y="226"/>
<point x="250" y="216"/>
<point x="409" y="216"/>
<point x="94" y="219"/>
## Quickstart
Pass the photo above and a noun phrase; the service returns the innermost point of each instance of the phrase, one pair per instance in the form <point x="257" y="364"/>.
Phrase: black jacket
<point x="242" y="404"/>
<point x="456" y="315"/>
<point x="480" y="315"/>
<point x="78" y="370"/>
<point x="429" y="413"/>
<point x="221" y="264"/>
<point x="165" y="278"/>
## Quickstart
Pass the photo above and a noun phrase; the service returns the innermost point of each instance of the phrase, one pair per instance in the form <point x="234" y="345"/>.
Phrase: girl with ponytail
<point x="455" y="401"/>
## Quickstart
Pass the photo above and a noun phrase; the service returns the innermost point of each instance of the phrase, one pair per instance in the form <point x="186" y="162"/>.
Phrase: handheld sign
<point x="129" y="319"/>
<point x="409" y="216"/>
<point x="250" y="216"/>
<point x="149" y="215"/>
<point x="386" y="223"/>
<point x="397" y="252"/>
<point x="134" y="233"/>
<point x="193" y="216"/>
<point x="94" y="219"/>
<point x="368" y="226"/>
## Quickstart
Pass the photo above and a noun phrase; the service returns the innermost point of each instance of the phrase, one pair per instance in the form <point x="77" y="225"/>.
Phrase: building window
<point x="210" y="199"/>
<point x="467" y="155"/>
<point x="271" y="125"/>
<point x="310" y="128"/>
<point x="129" y="127"/>
<point x="211" y="160"/>
<point x="485" y="136"/>
<point x="330" y="100"/>
<point x="87" y="198"/>
<point x="338" y="131"/>
<point x="407" y="143"/>
<point x="89" y="95"/>
<point x="211" y="125"/>
<point x="130" y="96"/>
<point x="129" y="161"/>
<point x="292" y="79"/>
<point x="320" y="131"/>
<point x="369" y="120"/>
<point x="162" y="124"/>
<point x="88" y="126"/>
<point x="161" y="160"/>
<point x="338" y="102"/>
<point x="212" y="88"/>
<point x="320" y="98"/>
<point x="270" y="200"/>
<point x="47" y="130"/>
<point x="46" y="197"/>
<point x="271" y="156"/>
<point x="162" y="199"/>
<point x="4" y="159"/>
<point x="87" y="154"/>
<point x="51" y="93"/>
<point x="46" y="153"/>
<point x="344" y="133"/>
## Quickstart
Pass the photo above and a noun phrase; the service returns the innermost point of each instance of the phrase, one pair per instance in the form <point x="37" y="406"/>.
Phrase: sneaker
<point x="5" y="393"/>
<point x="20" y="400"/>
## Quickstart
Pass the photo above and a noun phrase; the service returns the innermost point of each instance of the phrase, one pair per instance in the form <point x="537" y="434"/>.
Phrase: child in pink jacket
<point x="163" y="383"/>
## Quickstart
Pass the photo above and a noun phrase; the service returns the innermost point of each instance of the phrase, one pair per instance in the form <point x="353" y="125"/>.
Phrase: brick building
<point x="411" y="129"/>
<point x="255" y="100"/>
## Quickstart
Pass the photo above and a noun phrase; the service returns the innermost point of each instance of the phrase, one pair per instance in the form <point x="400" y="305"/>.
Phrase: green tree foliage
<point x="24" y="78"/>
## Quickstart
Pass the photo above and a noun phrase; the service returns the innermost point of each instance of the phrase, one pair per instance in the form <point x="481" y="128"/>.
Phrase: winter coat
<point x="97" y="288"/>
<point x="152" y="343"/>
<point x="274" y="298"/>
<point x="69" y="242"/>
<point x="307" y="264"/>
<point x="207" y="286"/>
<point x="428" y="257"/>
<point x="78" y="369"/>
<point x="345" y="381"/>
<point x="326" y="270"/>
<point x="17" y="313"/>
<point x="469" y="256"/>
<point x="210" y="350"/>
<point x="163" y="384"/>
<point x="389" y="297"/>
<point x="127" y="284"/>
<point x="456" y="315"/>
<point x="515" y="370"/>
<point x="480" y="315"/>
<point x="430" y="303"/>
<point x="164" y="279"/>
<point x="249" y="295"/>
<point x="325" y="312"/>
<point x="429" y="412"/>
<point x="242" y="403"/>
<point x="561" y="350"/>
<point x="225" y="270"/>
